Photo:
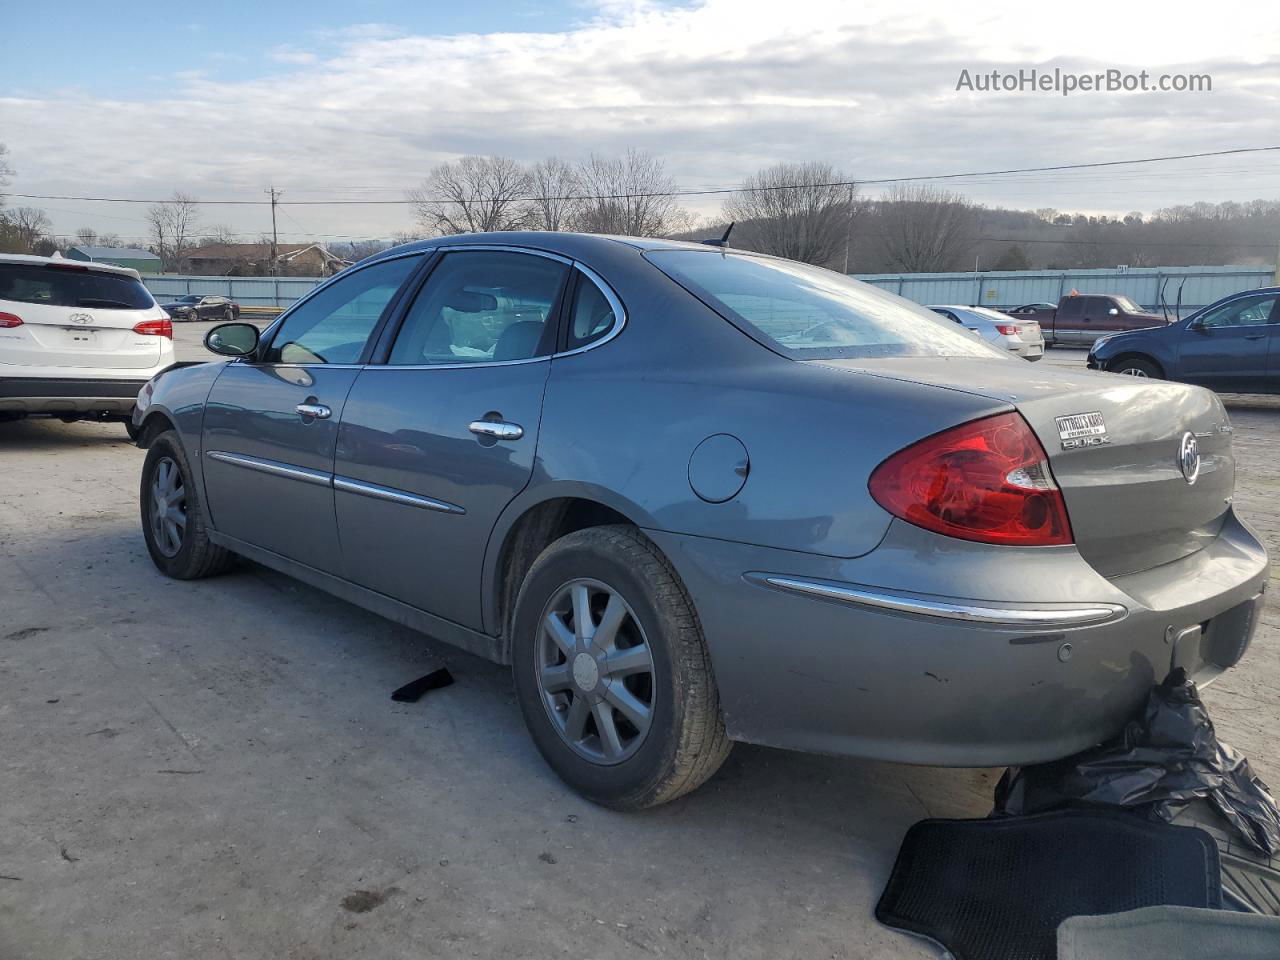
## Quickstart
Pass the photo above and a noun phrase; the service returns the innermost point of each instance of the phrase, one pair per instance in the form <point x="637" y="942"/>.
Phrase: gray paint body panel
<point x="617" y="424"/>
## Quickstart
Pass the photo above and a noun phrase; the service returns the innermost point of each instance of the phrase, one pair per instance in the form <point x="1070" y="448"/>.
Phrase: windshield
<point x="187" y="300"/>
<point x="808" y="313"/>
<point x="1127" y="305"/>
<point x="71" y="287"/>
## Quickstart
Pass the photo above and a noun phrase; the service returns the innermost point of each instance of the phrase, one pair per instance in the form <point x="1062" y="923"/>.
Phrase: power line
<point x="684" y="193"/>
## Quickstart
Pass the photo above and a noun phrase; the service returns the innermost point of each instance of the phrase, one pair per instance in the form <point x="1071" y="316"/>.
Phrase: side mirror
<point x="1113" y="312"/>
<point x="232" y="339"/>
<point x="1196" y="325"/>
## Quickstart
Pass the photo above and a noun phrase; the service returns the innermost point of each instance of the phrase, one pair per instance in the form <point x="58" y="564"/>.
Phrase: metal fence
<point x="1199" y="286"/>
<point x="246" y="291"/>
<point x="1005" y="289"/>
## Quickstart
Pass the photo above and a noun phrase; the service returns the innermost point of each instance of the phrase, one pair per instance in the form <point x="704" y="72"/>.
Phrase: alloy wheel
<point x="168" y="507"/>
<point x="595" y="671"/>
<point x="1135" y="372"/>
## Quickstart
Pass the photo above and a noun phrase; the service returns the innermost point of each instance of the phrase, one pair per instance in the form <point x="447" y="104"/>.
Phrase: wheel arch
<point x="153" y="424"/>
<point x="527" y="528"/>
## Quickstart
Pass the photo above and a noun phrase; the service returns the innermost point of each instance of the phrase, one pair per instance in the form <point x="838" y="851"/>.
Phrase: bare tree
<point x="473" y="195"/>
<point x="174" y="225"/>
<point x="926" y="229"/>
<point x="630" y="195"/>
<point x="218" y="233"/>
<point x="795" y="210"/>
<point x="556" y="187"/>
<point x="87" y="236"/>
<point x="28" y="225"/>
<point x="109" y="240"/>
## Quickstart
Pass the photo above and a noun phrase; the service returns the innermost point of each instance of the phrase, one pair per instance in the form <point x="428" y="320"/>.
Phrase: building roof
<point x="113" y="253"/>
<point x="244" y="251"/>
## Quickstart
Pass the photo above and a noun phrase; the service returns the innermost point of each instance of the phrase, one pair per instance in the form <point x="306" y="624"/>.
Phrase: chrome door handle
<point x="317" y="410"/>
<point x="498" y="429"/>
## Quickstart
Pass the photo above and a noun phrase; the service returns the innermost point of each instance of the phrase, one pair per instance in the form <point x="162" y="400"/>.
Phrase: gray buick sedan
<point x="693" y="496"/>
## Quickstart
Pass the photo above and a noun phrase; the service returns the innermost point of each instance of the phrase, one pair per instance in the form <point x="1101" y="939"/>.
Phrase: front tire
<point x="612" y="672"/>
<point x="175" y="522"/>
<point x="1136" y="367"/>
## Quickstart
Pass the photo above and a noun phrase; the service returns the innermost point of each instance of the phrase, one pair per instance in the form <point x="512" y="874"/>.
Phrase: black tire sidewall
<point x="616" y="784"/>
<point x="181" y="563"/>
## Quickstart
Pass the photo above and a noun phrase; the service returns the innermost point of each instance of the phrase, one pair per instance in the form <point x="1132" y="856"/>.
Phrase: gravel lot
<point x="215" y="769"/>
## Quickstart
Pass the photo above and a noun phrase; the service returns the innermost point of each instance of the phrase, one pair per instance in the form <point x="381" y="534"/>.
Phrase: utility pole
<point x="848" y="229"/>
<point x="275" y="243"/>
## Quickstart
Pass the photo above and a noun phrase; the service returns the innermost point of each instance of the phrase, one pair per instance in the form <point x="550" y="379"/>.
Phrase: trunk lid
<point x="1115" y="445"/>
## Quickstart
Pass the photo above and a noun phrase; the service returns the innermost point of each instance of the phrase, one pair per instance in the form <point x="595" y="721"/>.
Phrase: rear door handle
<point x="317" y="410"/>
<point x="498" y="429"/>
<point x="1254" y="336"/>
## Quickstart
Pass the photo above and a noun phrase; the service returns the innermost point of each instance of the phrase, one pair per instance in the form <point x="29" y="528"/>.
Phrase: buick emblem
<point x="1189" y="457"/>
<point x="80" y="318"/>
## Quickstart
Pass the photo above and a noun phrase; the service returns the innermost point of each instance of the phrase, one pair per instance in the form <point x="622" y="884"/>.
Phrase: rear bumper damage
<point x="883" y="656"/>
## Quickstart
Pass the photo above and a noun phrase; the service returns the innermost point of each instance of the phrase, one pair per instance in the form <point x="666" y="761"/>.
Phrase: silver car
<point x="1021" y="337"/>
<point x="694" y="496"/>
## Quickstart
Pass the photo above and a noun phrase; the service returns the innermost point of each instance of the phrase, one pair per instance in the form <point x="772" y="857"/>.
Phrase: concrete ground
<point x="215" y="769"/>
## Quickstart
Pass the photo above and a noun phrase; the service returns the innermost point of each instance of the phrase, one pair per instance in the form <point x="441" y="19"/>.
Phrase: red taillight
<point x="155" y="328"/>
<point x="1009" y="329"/>
<point x="987" y="480"/>
<point x="9" y="320"/>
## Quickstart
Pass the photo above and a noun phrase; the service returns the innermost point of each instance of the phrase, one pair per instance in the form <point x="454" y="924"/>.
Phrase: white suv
<point x="77" y="340"/>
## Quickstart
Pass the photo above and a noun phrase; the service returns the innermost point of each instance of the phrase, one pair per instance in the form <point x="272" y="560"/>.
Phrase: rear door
<point x="270" y="425"/>
<point x="72" y="315"/>
<point x="436" y="441"/>
<point x="1227" y="348"/>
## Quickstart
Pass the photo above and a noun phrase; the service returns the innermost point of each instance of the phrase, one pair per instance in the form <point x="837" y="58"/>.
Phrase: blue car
<point x="1232" y="345"/>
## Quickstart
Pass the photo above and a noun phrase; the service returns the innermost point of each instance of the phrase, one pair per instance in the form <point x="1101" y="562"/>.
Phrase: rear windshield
<point x="71" y="287"/>
<point x="808" y="313"/>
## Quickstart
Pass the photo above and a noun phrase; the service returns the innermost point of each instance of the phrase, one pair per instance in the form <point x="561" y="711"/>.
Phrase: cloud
<point x="719" y="89"/>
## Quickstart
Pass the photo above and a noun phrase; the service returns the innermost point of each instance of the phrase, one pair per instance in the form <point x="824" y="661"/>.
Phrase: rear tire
<point x="175" y="522"/>
<point x="131" y="430"/>
<point x="1136" y="367"/>
<point x="678" y="739"/>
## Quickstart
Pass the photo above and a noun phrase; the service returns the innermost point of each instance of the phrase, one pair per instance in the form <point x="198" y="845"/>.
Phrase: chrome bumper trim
<point x="272" y="467"/>
<point x="1065" y="615"/>
<point x="395" y="496"/>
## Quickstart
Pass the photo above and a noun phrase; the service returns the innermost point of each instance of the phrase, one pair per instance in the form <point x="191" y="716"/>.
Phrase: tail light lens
<point x="1009" y="329"/>
<point x="987" y="480"/>
<point x="155" y="328"/>
<point x="9" y="320"/>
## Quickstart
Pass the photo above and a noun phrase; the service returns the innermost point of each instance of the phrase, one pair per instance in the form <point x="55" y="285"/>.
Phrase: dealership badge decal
<point x="1189" y="457"/>
<point x="1077" y="430"/>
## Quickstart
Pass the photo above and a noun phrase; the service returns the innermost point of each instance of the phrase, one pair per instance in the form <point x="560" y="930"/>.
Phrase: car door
<point x="271" y="423"/>
<point x="1068" y="323"/>
<point x="439" y="438"/>
<point x="1096" y="319"/>
<point x="1227" y="348"/>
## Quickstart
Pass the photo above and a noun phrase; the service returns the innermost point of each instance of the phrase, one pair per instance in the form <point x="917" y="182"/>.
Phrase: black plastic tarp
<point x="1166" y="756"/>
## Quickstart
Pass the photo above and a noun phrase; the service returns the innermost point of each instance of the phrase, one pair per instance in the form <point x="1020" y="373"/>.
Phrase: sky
<point x="360" y="99"/>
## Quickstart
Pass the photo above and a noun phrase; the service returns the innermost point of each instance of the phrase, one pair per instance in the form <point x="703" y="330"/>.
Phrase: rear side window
<point x="1072" y="307"/>
<point x="334" y="324"/>
<point x="808" y="313"/>
<point x="592" y="315"/>
<point x="482" y="307"/>
<point x="51" y="286"/>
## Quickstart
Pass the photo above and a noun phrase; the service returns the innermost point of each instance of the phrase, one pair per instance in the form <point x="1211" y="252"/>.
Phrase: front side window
<point x="334" y="325"/>
<point x="808" y="313"/>
<point x="482" y="306"/>
<point x="64" y="286"/>
<point x="1249" y="312"/>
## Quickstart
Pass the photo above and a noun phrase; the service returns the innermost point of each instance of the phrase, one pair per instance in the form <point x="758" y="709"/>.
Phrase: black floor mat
<point x="997" y="889"/>
<point x="1250" y="880"/>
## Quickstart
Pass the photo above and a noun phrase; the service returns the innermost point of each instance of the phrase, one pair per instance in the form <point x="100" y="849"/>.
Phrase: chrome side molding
<point x="348" y="485"/>
<point x="1059" y="615"/>
<point x="272" y="467"/>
